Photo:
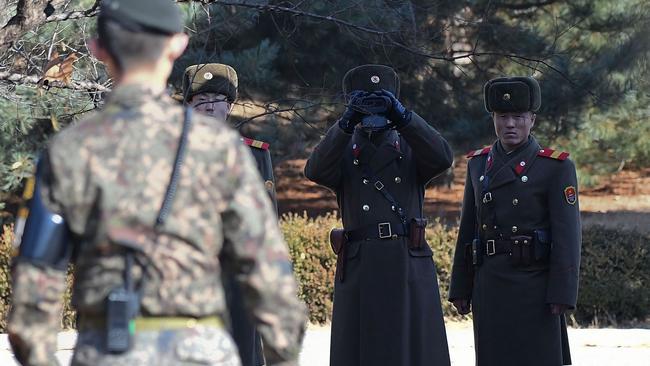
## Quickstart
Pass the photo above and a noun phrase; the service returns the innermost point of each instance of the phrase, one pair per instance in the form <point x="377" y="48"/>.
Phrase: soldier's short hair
<point x="128" y="47"/>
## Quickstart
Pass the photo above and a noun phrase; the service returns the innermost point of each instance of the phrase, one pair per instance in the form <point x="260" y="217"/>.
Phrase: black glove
<point x="397" y="113"/>
<point x="352" y="115"/>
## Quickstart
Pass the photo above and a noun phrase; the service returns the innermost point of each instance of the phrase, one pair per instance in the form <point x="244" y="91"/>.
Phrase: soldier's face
<point x="513" y="129"/>
<point x="211" y="104"/>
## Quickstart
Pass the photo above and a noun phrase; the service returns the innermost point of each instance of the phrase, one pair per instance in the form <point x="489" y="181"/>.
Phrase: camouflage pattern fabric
<point x="191" y="346"/>
<point x="107" y="178"/>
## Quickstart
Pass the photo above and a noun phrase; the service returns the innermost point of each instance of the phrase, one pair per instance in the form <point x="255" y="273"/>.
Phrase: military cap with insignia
<point x="512" y="94"/>
<point x="146" y="16"/>
<point x="370" y="78"/>
<point x="210" y="78"/>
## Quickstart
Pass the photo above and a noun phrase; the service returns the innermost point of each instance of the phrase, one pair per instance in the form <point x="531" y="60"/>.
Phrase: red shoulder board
<point x="256" y="143"/>
<point x="553" y="154"/>
<point x="478" y="152"/>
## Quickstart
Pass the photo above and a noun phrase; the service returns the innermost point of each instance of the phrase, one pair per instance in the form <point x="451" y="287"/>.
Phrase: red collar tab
<point x="356" y="150"/>
<point x="256" y="143"/>
<point x="479" y="152"/>
<point x="553" y="154"/>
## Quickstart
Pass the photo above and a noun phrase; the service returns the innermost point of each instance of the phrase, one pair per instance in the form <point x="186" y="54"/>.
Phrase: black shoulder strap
<point x="370" y="175"/>
<point x="176" y="172"/>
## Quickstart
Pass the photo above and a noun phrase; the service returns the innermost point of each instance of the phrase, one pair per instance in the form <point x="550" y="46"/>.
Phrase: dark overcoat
<point x="531" y="190"/>
<point x="387" y="307"/>
<point x="243" y="331"/>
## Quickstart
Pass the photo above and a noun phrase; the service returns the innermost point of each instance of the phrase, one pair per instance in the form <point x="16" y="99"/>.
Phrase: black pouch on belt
<point x="523" y="244"/>
<point x="338" y="241"/>
<point x="417" y="229"/>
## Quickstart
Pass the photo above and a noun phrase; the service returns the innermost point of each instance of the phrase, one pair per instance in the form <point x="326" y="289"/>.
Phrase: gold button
<point x="514" y="229"/>
<point x="515" y="202"/>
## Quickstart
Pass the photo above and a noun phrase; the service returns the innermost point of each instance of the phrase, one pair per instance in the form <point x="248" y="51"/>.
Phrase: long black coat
<point x="243" y="331"/>
<point x="531" y="189"/>
<point x="387" y="309"/>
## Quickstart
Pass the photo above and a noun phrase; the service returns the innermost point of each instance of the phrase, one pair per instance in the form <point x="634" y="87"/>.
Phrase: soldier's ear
<point x="176" y="45"/>
<point x="532" y="119"/>
<point x="97" y="50"/>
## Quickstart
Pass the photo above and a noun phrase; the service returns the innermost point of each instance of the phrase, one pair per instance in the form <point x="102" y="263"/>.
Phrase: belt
<point x="153" y="323"/>
<point x="501" y="246"/>
<point x="382" y="230"/>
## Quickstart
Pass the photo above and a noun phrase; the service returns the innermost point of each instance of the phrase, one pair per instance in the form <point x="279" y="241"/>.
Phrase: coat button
<point x="392" y="208"/>
<point x="365" y="181"/>
<point x="524" y="179"/>
<point x="515" y="202"/>
<point x="481" y="178"/>
<point x="355" y="161"/>
<point x="484" y="226"/>
<point x="398" y="180"/>
<point x="523" y="163"/>
<point x="366" y="208"/>
<point x="514" y="229"/>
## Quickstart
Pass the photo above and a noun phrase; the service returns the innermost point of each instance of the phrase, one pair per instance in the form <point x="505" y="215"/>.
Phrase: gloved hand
<point x="398" y="114"/>
<point x="352" y="115"/>
<point x="463" y="306"/>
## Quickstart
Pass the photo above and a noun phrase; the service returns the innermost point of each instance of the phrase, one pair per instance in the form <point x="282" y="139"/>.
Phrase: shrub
<point x="614" y="277"/>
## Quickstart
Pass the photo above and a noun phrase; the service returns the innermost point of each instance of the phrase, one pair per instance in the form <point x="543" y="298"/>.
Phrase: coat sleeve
<point x="37" y="292"/>
<point x="462" y="277"/>
<point x="431" y="151"/>
<point x="324" y="164"/>
<point x="564" y="262"/>
<point x="260" y="262"/>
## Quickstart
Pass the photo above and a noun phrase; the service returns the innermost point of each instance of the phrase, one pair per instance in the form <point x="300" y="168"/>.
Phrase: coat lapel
<point x="378" y="157"/>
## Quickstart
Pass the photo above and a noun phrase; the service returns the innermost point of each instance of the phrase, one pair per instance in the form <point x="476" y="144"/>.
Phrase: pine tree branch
<point x="384" y="35"/>
<point x="29" y="14"/>
<point x="34" y="80"/>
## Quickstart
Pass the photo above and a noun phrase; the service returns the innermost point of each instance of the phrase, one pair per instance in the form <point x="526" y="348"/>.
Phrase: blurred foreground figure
<point x="149" y="202"/>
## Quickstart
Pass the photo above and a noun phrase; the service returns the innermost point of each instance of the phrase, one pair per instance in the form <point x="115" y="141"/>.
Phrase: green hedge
<point x="614" y="282"/>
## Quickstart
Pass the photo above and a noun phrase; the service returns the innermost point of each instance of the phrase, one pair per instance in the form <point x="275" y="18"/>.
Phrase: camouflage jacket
<point x="107" y="176"/>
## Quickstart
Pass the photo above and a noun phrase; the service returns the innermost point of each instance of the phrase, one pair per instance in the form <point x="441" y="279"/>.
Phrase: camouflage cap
<point x="210" y="78"/>
<point x="371" y="78"/>
<point x="512" y="94"/>
<point x="148" y="16"/>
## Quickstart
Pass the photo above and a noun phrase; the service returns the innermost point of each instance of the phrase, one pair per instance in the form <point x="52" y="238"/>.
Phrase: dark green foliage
<point x="614" y="277"/>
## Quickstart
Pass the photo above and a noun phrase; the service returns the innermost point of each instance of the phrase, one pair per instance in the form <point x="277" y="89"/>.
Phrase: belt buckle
<point x="487" y="197"/>
<point x="383" y="227"/>
<point x="490" y="248"/>
<point x="379" y="185"/>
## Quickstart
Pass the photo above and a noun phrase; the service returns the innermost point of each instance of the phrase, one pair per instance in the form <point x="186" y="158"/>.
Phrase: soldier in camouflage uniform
<point x="518" y="251"/>
<point x="212" y="89"/>
<point x="103" y="182"/>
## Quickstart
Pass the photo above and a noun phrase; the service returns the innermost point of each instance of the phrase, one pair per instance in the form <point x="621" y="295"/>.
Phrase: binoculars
<point x="374" y="106"/>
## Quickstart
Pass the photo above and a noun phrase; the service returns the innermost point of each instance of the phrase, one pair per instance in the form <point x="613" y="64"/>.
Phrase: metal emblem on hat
<point x="375" y="79"/>
<point x="506" y="96"/>
<point x="207" y="76"/>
